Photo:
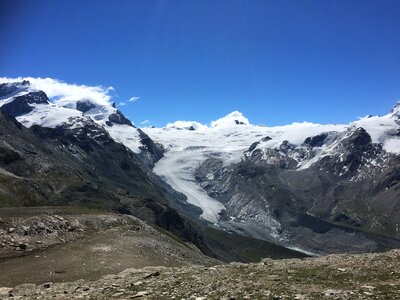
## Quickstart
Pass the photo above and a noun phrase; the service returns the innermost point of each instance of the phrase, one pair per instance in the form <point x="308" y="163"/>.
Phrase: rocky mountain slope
<point x="86" y="153"/>
<point x="368" y="276"/>
<point x="321" y="188"/>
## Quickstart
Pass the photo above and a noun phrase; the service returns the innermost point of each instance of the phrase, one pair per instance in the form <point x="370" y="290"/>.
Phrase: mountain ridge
<point x="83" y="165"/>
<point x="257" y="181"/>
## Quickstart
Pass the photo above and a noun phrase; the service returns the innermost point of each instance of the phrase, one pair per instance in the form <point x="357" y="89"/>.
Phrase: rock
<point x="109" y="277"/>
<point x="235" y="263"/>
<point x="137" y="283"/>
<point x="342" y="269"/>
<point x="127" y="272"/>
<point x="368" y="293"/>
<point x="59" y="218"/>
<point x="25" y="229"/>
<point x="40" y="225"/>
<point x="4" y="291"/>
<point x="156" y="273"/>
<point x="22" y="289"/>
<point x="22" y="246"/>
<point x="267" y="261"/>
<point x="369" y="287"/>
<point x="11" y="230"/>
<point x="273" y="277"/>
<point x="47" y="285"/>
<point x="140" y="294"/>
<point x="332" y="292"/>
<point x="119" y="294"/>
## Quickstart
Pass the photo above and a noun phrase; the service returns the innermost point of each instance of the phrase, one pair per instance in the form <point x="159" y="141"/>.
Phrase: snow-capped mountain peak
<point x="51" y="103"/>
<point x="234" y="118"/>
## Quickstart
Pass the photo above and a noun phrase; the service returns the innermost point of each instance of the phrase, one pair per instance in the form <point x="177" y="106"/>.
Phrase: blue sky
<point x="275" y="61"/>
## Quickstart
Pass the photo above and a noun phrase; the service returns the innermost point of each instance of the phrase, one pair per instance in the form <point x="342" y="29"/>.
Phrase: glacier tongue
<point x="177" y="168"/>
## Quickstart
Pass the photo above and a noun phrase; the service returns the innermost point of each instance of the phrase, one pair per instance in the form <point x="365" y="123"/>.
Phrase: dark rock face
<point x="353" y="152"/>
<point x="392" y="179"/>
<point x="84" y="106"/>
<point x="253" y="146"/>
<point x="154" y="150"/>
<point x="119" y="118"/>
<point x="316" y="141"/>
<point x="266" y="139"/>
<point x="285" y="147"/>
<point x="360" y="140"/>
<point x="21" y="104"/>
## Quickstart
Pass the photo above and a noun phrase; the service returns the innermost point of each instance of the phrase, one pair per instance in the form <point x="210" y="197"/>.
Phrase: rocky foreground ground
<point x="365" y="276"/>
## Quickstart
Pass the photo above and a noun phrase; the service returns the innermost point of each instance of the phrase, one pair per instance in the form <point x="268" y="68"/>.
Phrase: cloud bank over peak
<point x="64" y="93"/>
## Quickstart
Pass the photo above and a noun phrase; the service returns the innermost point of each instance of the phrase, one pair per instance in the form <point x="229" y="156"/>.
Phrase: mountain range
<point x="238" y="191"/>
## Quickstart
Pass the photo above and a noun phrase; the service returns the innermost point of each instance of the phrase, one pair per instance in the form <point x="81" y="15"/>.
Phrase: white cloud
<point x="64" y="93"/>
<point x="122" y="103"/>
<point x="145" y="122"/>
<point x="133" y="99"/>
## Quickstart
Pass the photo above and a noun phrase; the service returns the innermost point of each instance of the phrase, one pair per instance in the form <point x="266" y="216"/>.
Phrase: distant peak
<point x="232" y="119"/>
<point x="11" y="88"/>
<point x="396" y="110"/>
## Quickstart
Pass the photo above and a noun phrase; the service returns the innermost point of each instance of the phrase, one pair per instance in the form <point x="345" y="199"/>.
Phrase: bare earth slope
<point x="65" y="243"/>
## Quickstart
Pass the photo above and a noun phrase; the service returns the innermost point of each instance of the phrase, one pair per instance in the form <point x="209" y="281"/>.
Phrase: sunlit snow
<point x="229" y="137"/>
